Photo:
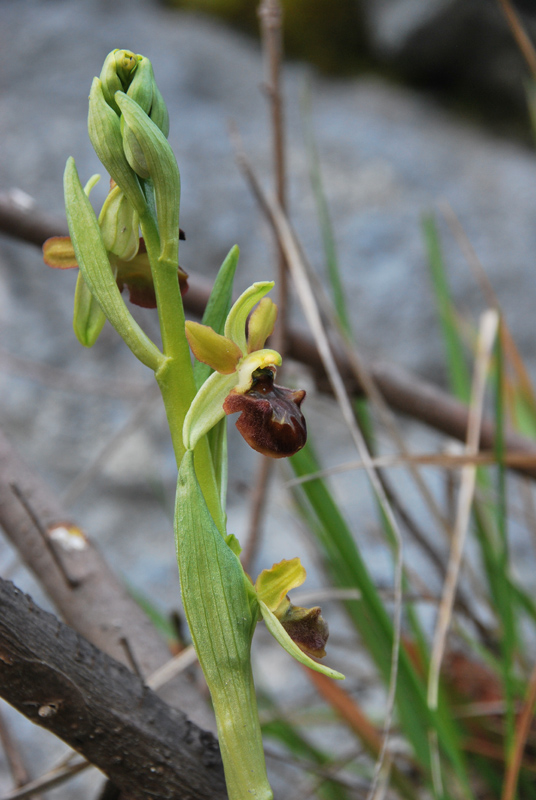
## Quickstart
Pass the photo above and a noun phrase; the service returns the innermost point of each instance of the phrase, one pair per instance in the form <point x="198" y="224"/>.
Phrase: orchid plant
<point x="232" y="372"/>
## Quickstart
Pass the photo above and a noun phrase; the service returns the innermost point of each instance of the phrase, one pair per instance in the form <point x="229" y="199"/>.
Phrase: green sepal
<point x="88" y="317"/>
<point x="164" y="173"/>
<point x="207" y="407"/>
<point x="133" y="152"/>
<point x="141" y="85"/>
<point x="218" y="306"/>
<point x="235" y="326"/>
<point x="221" y="616"/>
<point x="95" y="267"/>
<point x="159" y="113"/>
<point x="104" y="128"/>
<point x="280" y="634"/>
<point x="145" y="92"/>
<point x="217" y="352"/>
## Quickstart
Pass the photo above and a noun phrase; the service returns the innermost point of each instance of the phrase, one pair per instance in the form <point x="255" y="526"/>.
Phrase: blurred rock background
<point x="412" y="103"/>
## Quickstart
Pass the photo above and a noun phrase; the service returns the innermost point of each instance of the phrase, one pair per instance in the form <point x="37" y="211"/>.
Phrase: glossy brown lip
<point x="271" y="421"/>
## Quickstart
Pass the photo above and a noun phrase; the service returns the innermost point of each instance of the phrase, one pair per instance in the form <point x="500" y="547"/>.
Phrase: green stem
<point x="240" y="739"/>
<point x="175" y="376"/>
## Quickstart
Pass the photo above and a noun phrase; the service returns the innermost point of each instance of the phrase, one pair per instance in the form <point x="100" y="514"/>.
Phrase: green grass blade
<point x="459" y="376"/>
<point x="326" y="228"/>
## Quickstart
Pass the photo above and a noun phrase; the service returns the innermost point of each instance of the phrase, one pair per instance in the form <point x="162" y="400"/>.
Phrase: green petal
<point x="261" y="324"/>
<point x="235" y="327"/>
<point x="120" y="225"/>
<point x="209" y="347"/>
<point x="207" y="408"/>
<point x="273" y="584"/>
<point x="280" y="634"/>
<point x="88" y="317"/>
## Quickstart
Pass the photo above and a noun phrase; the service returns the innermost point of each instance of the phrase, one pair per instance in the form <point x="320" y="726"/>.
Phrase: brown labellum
<point x="271" y="421"/>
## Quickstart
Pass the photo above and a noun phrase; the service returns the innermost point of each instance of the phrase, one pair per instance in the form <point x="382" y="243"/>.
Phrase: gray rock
<point x="461" y="48"/>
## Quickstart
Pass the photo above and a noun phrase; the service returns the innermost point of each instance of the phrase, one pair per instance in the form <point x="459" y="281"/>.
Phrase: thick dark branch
<point x="61" y="682"/>
<point x="403" y="391"/>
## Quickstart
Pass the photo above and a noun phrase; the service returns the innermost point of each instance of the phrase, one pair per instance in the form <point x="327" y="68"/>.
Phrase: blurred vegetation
<point x="330" y="35"/>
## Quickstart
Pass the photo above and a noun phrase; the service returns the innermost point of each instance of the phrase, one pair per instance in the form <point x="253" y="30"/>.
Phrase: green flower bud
<point x="142" y="85"/>
<point x="117" y="73"/>
<point x="156" y="160"/>
<point x="104" y="129"/>
<point x="119" y="224"/>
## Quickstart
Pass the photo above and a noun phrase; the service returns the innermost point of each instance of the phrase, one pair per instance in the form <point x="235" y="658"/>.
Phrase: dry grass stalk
<point x="487" y="334"/>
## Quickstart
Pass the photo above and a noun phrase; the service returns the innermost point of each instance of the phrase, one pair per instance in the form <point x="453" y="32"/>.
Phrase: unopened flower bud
<point x="119" y="224"/>
<point x="117" y="73"/>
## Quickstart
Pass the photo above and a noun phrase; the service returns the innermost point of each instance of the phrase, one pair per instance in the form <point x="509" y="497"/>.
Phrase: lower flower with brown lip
<point x="271" y="421"/>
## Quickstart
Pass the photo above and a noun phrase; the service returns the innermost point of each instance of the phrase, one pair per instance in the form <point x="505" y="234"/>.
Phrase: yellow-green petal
<point x="235" y="326"/>
<point x="207" y="408"/>
<point x="275" y="583"/>
<point x="261" y="324"/>
<point x="219" y="352"/>
<point x="261" y="359"/>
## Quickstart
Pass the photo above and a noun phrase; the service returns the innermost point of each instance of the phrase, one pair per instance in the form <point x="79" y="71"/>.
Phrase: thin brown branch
<point x="270" y="15"/>
<point x="520" y="35"/>
<point x="61" y="682"/>
<point x="20" y="219"/>
<point x="14" y="759"/>
<point x="50" y="780"/>
<point x="520" y="741"/>
<point x="258" y="507"/>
